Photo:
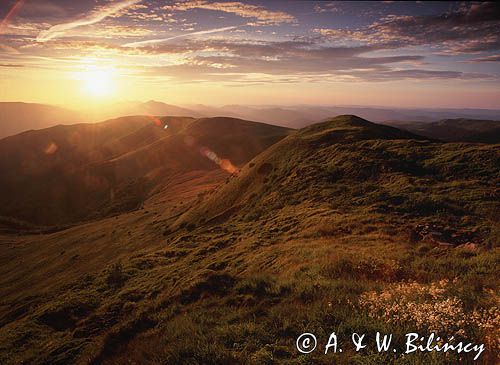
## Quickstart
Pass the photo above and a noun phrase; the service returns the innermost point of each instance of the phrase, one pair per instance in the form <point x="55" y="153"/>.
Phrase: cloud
<point x="263" y="16"/>
<point x="470" y="29"/>
<point x="10" y="65"/>
<point x="8" y="49"/>
<point x="331" y="55"/>
<point x="161" y="40"/>
<point x="23" y="29"/>
<point x="116" y="31"/>
<point x="243" y="61"/>
<point x="328" y="7"/>
<point x="236" y="58"/>
<point x="95" y="17"/>
<point x="42" y="10"/>
<point x="413" y="74"/>
<point x="494" y="58"/>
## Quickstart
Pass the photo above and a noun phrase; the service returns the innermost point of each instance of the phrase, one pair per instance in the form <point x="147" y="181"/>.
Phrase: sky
<point x="399" y="54"/>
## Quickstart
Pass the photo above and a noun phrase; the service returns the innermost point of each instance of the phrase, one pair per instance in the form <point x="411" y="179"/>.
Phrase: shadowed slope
<point x="68" y="173"/>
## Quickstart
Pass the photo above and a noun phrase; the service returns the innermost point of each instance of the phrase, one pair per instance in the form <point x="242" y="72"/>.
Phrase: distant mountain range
<point x="19" y="117"/>
<point x="153" y="108"/>
<point x="455" y="130"/>
<point x="304" y="115"/>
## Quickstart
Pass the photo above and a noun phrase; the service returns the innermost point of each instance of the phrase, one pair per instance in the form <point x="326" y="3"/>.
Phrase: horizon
<point x="316" y="53"/>
<point x="187" y="105"/>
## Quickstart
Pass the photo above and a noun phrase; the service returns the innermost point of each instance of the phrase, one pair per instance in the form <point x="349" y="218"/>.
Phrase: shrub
<point x="116" y="277"/>
<point x="261" y="286"/>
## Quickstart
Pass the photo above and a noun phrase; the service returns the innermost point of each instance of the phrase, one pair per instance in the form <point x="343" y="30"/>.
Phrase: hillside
<point x="322" y="231"/>
<point x="66" y="174"/>
<point x="19" y="117"/>
<point x="353" y="165"/>
<point x="456" y="130"/>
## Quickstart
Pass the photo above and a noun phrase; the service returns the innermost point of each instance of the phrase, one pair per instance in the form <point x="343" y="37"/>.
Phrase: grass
<point x="171" y="309"/>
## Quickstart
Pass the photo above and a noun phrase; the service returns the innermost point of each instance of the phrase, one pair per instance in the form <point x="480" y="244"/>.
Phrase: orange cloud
<point x="264" y="16"/>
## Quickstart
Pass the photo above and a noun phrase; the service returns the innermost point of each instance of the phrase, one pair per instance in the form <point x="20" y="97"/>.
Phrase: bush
<point x="116" y="277"/>
<point x="261" y="286"/>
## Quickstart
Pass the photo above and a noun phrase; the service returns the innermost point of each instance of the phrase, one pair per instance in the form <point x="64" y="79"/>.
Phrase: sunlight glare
<point x="97" y="80"/>
<point x="98" y="83"/>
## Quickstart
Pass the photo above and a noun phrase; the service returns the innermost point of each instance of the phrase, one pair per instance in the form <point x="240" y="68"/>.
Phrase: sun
<point x="98" y="83"/>
<point x="96" y="79"/>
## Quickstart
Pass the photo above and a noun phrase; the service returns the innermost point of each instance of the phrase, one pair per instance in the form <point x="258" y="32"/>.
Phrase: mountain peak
<point x="350" y="118"/>
<point x="351" y="127"/>
<point x="153" y="102"/>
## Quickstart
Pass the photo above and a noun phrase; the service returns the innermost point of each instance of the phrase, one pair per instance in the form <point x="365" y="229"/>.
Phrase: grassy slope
<point x="288" y="246"/>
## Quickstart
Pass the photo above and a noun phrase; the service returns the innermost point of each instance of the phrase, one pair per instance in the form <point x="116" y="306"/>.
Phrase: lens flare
<point x="51" y="149"/>
<point x="155" y="120"/>
<point x="224" y="164"/>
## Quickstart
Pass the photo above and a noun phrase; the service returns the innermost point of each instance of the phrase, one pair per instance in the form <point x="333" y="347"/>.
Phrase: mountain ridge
<point x="291" y="116"/>
<point x="456" y="130"/>
<point x="77" y="170"/>
<point x="346" y="135"/>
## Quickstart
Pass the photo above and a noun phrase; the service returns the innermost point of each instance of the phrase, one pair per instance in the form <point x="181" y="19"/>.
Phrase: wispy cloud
<point x="493" y="58"/>
<point x="154" y="41"/>
<point x="263" y="15"/>
<point x="328" y="7"/>
<point x="93" y="18"/>
<point x="10" y="65"/>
